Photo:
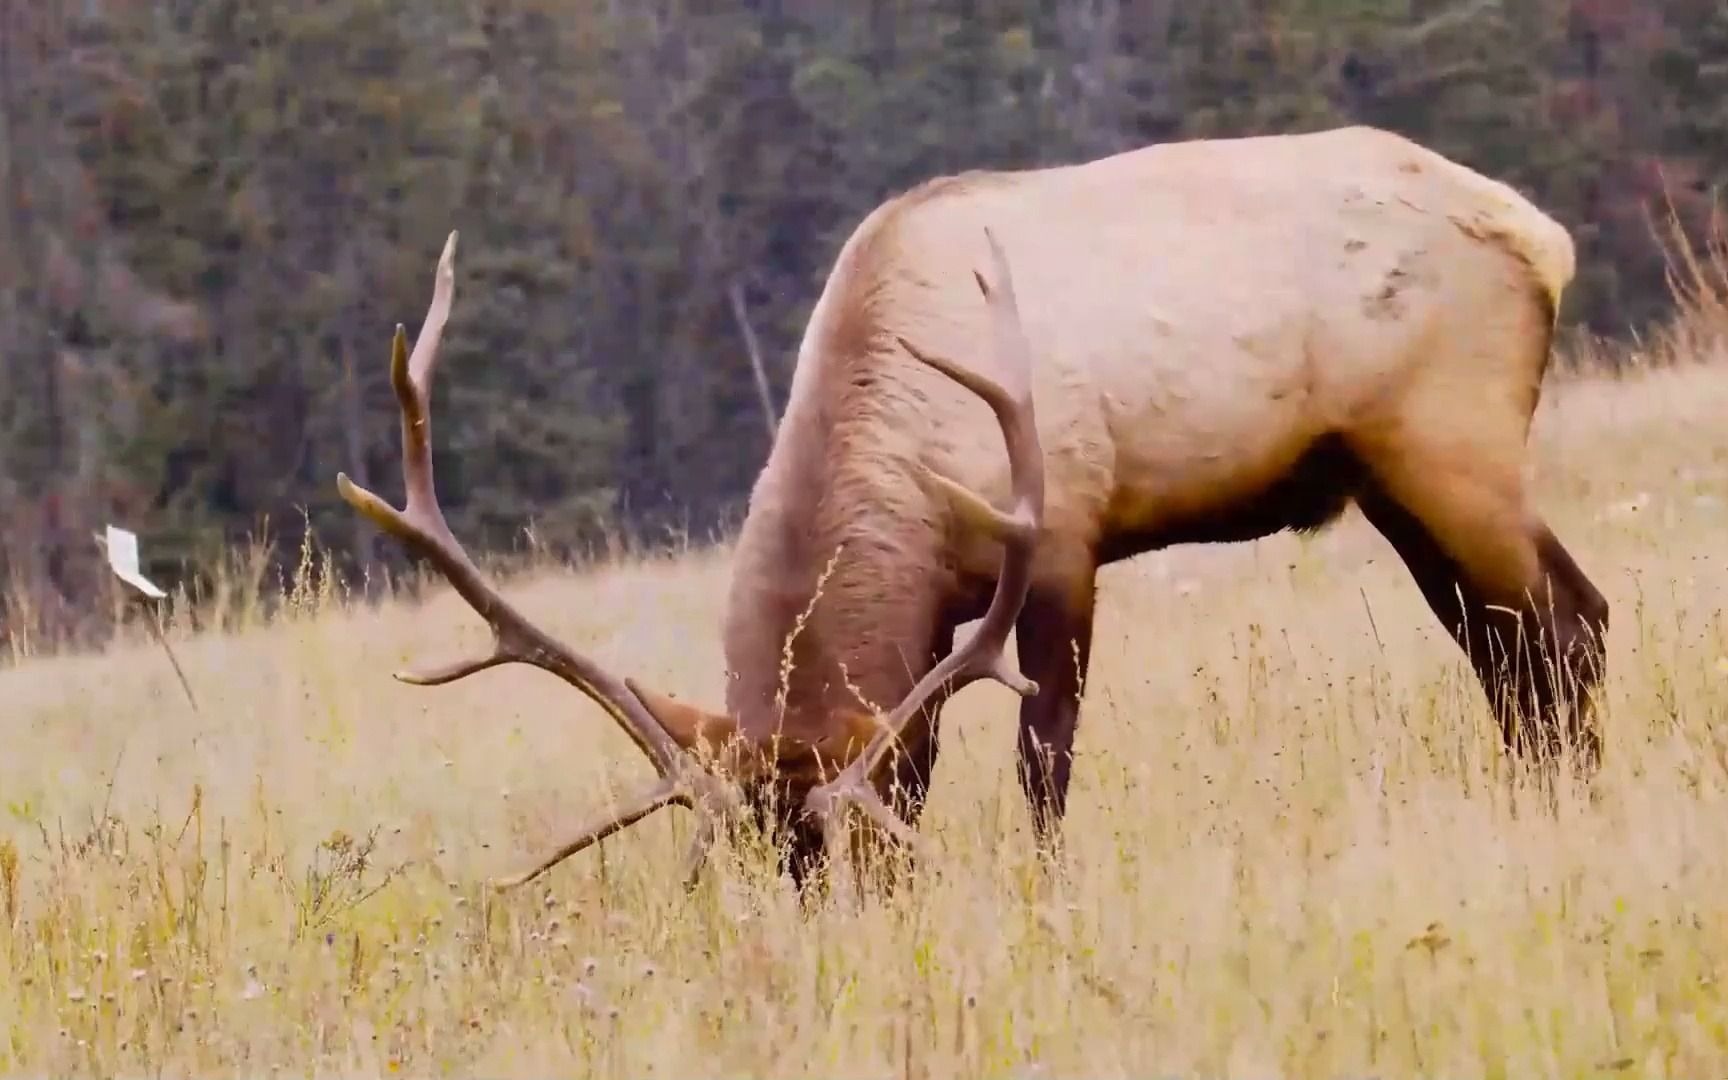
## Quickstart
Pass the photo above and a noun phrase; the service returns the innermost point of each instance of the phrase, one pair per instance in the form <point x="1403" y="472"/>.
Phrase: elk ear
<point x="687" y="724"/>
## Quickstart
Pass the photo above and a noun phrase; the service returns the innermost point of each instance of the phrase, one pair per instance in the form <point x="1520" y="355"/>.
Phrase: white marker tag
<point x="123" y="560"/>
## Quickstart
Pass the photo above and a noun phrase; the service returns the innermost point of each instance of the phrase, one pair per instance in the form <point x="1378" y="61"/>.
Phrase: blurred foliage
<point x="215" y="212"/>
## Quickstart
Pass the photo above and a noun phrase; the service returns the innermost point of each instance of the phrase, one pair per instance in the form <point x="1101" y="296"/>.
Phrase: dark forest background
<point x="212" y="213"/>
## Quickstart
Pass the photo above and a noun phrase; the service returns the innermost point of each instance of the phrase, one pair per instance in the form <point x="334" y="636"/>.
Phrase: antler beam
<point x="983" y="655"/>
<point x="421" y="527"/>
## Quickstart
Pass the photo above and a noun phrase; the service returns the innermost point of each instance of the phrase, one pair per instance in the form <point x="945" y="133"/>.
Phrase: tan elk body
<point x="1218" y="340"/>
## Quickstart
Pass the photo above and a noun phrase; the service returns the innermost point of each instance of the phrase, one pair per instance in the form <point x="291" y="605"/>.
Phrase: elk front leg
<point x="1054" y="636"/>
<point x="914" y="768"/>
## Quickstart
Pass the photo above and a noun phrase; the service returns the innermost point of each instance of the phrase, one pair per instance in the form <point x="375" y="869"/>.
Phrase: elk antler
<point x="982" y="656"/>
<point x="422" y="528"/>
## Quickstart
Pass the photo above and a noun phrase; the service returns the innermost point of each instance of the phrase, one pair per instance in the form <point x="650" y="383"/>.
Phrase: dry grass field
<point x="1294" y="847"/>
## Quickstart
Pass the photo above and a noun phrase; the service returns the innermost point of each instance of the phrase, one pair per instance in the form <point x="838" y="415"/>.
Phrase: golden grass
<point x="1294" y="848"/>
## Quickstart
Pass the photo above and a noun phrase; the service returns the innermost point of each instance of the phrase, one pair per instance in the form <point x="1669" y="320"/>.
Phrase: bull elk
<point x="1224" y="339"/>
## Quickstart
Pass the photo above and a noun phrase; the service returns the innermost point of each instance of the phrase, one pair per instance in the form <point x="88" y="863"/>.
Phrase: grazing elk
<point x="1224" y="339"/>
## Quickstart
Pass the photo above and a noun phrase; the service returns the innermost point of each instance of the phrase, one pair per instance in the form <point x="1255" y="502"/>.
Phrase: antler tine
<point x="983" y="655"/>
<point x="411" y="377"/>
<point x="663" y="794"/>
<point x="421" y="526"/>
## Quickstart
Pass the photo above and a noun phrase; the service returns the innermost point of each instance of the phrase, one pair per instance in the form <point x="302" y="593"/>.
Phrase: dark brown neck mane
<point x="841" y="551"/>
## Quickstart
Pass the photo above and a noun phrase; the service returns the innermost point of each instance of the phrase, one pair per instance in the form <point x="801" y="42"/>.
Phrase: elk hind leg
<point x="1529" y="620"/>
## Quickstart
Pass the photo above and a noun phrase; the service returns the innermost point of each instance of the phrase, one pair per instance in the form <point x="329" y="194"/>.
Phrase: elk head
<point x="704" y="761"/>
